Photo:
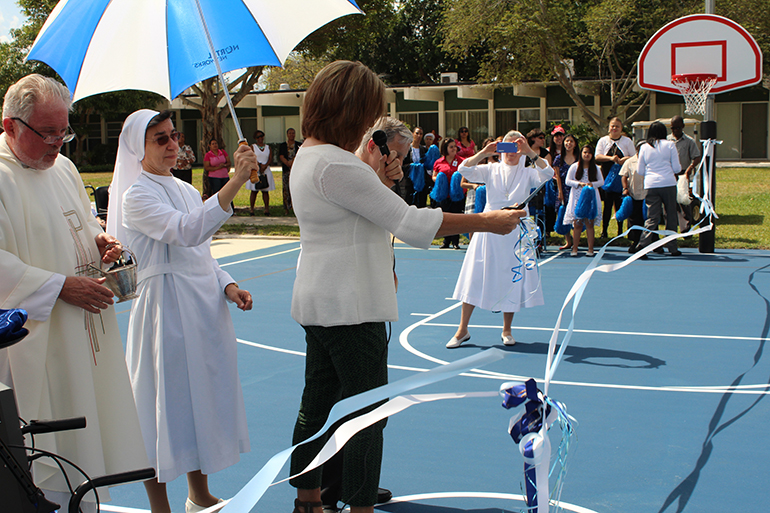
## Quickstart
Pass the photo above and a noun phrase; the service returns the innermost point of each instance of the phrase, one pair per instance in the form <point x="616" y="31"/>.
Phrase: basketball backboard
<point x="700" y="43"/>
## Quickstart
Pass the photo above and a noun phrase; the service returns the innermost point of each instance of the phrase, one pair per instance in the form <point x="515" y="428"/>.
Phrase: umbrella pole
<point x="215" y="57"/>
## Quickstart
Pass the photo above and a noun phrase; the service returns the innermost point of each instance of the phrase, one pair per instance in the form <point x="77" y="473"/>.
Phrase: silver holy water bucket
<point x="121" y="279"/>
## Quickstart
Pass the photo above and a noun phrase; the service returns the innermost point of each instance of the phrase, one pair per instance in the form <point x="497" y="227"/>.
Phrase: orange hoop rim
<point x="693" y="77"/>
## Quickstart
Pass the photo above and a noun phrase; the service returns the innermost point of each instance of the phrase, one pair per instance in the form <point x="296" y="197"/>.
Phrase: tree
<point x="534" y="40"/>
<point x="298" y="71"/>
<point x="400" y="41"/>
<point x="210" y="93"/>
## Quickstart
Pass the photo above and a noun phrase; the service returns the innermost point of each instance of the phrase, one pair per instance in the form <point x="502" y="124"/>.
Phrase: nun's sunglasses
<point x="163" y="139"/>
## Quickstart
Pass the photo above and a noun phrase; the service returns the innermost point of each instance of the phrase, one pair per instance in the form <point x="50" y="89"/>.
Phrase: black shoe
<point x="632" y="248"/>
<point x="644" y="257"/>
<point x="676" y="252"/>
<point x="445" y="245"/>
<point x="658" y="250"/>
<point x="383" y="495"/>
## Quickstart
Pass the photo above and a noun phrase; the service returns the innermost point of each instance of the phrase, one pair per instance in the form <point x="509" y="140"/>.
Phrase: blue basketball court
<point x="665" y="374"/>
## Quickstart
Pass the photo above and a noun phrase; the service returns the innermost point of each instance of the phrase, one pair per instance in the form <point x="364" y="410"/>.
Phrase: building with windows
<point x="742" y="116"/>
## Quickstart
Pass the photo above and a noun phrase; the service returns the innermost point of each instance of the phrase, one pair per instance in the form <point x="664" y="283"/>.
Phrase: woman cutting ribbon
<point x="486" y="278"/>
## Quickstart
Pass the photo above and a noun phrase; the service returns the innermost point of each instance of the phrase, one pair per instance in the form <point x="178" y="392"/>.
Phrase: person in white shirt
<point x="659" y="165"/>
<point x="345" y="290"/>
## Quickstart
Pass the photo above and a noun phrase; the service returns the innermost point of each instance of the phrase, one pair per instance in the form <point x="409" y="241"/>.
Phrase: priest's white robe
<point x="486" y="278"/>
<point x="181" y="349"/>
<point x="71" y="364"/>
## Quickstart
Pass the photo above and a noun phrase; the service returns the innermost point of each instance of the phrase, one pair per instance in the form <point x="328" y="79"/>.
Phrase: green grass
<point x="742" y="203"/>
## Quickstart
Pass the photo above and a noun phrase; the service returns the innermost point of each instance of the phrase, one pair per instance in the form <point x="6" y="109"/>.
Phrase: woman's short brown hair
<point x="344" y="100"/>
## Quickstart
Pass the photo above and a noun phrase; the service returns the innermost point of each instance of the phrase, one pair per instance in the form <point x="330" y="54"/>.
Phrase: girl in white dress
<point x="582" y="174"/>
<point x="486" y="279"/>
<point x="264" y="157"/>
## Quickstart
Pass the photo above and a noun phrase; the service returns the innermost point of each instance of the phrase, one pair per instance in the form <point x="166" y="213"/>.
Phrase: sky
<point x="10" y="17"/>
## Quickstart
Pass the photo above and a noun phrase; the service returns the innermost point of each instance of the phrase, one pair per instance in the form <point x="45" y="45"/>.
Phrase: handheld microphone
<point x="380" y="138"/>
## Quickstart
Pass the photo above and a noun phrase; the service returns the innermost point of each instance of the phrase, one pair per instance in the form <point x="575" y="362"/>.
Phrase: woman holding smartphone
<point x="486" y="278"/>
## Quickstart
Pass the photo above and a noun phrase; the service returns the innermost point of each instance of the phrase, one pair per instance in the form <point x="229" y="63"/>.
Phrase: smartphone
<point x="507" y="147"/>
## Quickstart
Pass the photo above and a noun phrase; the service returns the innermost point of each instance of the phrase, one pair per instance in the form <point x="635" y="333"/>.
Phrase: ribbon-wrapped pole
<point x="529" y="429"/>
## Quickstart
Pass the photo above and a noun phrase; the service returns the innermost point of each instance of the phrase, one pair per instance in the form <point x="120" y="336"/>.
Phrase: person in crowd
<point x="71" y="362"/>
<point x="181" y="350"/>
<point x="561" y="164"/>
<point x="612" y="150"/>
<point x="689" y="156"/>
<point x="345" y="290"/>
<point x="465" y="145"/>
<point x="431" y="156"/>
<point x="485" y="279"/>
<point x="633" y="186"/>
<point x="583" y="173"/>
<point x="536" y="141"/>
<point x="286" y="153"/>
<point x="184" y="161"/>
<point x="448" y="164"/>
<point x="416" y="154"/>
<point x="659" y="165"/>
<point x="216" y="165"/>
<point x="264" y="158"/>
<point x="470" y="187"/>
<point x="557" y="143"/>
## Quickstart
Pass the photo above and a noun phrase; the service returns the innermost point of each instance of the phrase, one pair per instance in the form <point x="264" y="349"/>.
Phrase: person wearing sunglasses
<point x="180" y="348"/>
<point x="71" y="363"/>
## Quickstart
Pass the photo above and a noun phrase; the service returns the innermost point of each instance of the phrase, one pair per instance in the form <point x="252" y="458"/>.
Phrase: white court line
<point x="483" y="495"/>
<point x="601" y="332"/>
<point x="259" y="257"/>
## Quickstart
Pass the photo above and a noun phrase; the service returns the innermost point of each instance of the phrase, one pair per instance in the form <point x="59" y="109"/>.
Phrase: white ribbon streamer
<point x="250" y="494"/>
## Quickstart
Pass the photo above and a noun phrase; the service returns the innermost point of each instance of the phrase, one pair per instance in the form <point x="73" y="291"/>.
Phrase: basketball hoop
<point x="695" y="88"/>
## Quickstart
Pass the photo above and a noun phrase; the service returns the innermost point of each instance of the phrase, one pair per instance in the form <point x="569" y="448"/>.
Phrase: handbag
<point x="613" y="181"/>
<point x="683" y="190"/>
<point x="259" y="180"/>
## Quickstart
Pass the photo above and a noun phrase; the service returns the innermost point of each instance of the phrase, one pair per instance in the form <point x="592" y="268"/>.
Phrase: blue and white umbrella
<point x="165" y="46"/>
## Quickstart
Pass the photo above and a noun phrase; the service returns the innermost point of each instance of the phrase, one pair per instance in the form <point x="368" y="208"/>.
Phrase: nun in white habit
<point x="486" y="277"/>
<point x="181" y="348"/>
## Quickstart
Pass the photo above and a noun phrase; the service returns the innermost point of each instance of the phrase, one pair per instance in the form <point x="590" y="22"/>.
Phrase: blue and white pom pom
<point x="586" y="208"/>
<point x="481" y="199"/>
<point x="456" y="191"/>
<point x="440" y="188"/>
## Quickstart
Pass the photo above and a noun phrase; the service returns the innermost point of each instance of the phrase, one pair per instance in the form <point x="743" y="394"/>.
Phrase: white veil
<point x="128" y="167"/>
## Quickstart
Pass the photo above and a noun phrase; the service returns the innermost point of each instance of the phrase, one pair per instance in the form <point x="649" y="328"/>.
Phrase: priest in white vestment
<point x="71" y="364"/>
<point x="181" y="349"/>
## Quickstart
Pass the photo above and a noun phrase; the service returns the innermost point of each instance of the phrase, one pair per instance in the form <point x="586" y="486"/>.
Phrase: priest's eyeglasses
<point x="50" y="139"/>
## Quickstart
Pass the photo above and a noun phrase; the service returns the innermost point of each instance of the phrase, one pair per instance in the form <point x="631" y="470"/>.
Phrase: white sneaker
<point x="508" y="340"/>
<point x="455" y="342"/>
<point x="191" y="507"/>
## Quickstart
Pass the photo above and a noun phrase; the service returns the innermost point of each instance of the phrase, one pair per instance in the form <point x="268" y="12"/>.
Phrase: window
<point x="505" y="121"/>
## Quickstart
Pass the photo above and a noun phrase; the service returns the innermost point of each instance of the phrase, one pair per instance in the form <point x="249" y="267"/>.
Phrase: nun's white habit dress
<point x="181" y="349"/>
<point x="486" y="279"/>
